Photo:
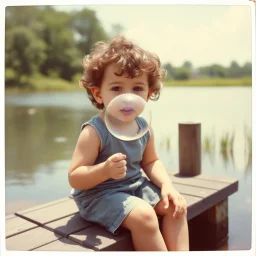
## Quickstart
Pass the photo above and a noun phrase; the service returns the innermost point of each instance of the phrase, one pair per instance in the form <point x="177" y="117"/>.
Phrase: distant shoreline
<point x="45" y="84"/>
<point x="245" y="81"/>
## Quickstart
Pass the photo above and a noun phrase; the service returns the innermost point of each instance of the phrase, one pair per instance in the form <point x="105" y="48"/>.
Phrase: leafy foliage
<point x="46" y="41"/>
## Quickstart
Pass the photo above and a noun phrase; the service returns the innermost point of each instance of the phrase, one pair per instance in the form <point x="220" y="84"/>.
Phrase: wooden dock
<point x="57" y="226"/>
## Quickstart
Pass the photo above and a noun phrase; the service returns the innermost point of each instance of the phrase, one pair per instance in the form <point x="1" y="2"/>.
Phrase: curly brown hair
<point x="131" y="59"/>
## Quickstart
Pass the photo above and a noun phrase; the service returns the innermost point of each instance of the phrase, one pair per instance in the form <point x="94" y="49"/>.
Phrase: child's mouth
<point x="127" y="111"/>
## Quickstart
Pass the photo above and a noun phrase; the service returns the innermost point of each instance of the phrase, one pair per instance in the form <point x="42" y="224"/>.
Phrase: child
<point x="105" y="172"/>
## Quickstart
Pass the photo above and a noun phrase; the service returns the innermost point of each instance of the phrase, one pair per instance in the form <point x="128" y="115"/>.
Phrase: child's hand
<point x="170" y="193"/>
<point x="115" y="166"/>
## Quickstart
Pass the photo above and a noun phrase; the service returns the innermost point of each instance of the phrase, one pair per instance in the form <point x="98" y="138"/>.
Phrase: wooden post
<point x="209" y="230"/>
<point x="189" y="149"/>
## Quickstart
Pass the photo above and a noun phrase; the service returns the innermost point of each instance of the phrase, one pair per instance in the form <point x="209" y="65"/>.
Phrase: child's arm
<point x="152" y="165"/>
<point x="157" y="173"/>
<point x="83" y="174"/>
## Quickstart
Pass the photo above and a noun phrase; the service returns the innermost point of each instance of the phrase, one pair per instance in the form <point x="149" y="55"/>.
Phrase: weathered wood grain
<point x="15" y="225"/>
<point x="204" y="176"/>
<point x="210" y="184"/>
<point x="37" y="207"/>
<point x="52" y="212"/>
<point x="68" y="225"/>
<point x="99" y="239"/>
<point x="190" y="148"/>
<point x="30" y="240"/>
<point x="194" y="191"/>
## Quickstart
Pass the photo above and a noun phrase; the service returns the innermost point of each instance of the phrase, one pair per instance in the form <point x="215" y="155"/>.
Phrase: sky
<point x="201" y="34"/>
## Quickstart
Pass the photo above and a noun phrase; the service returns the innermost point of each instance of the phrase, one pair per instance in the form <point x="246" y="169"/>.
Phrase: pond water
<point x="41" y="130"/>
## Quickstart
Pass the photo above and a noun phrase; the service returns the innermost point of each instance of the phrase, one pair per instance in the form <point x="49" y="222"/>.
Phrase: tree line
<point x="187" y="71"/>
<point x="42" y="40"/>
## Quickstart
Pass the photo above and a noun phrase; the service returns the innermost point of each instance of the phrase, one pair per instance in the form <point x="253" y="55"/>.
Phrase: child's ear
<point x="96" y="94"/>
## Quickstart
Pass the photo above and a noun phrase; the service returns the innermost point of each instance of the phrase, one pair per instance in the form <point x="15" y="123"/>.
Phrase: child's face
<point x="113" y="85"/>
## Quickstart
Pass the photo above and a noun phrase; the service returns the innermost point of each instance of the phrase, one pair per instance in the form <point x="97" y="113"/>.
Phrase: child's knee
<point x="162" y="211"/>
<point x="143" y="218"/>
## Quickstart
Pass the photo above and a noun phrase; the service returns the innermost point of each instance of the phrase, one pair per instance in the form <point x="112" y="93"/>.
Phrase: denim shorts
<point x="109" y="208"/>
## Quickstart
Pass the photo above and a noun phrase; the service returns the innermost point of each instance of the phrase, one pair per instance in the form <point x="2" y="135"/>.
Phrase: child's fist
<point x="115" y="166"/>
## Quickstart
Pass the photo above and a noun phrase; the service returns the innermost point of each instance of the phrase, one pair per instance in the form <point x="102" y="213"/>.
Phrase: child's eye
<point x="116" y="88"/>
<point x="138" y="89"/>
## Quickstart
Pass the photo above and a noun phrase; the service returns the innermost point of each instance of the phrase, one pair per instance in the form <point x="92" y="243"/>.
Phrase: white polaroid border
<point x="5" y="3"/>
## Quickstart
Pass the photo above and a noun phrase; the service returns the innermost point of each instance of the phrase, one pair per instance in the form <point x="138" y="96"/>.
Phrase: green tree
<point x="27" y="16"/>
<point x="188" y="65"/>
<point x="182" y="73"/>
<point x="234" y="70"/>
<point x="217" y="70"/>
<point x="247" y="69"/>
<point x="62" y="54"/>
<point x="170" y="71"/>
<point x="24" y="52"/>
<point x="116" y="29"/>
<point x="88" y="30"/>
<point x="214" y="70"/>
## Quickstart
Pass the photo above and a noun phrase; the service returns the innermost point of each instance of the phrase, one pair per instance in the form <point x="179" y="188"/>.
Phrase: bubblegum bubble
<point x="128" y="117"/>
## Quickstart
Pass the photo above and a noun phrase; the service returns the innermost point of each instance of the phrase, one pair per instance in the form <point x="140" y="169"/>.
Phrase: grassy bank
<point x="245" y="81"/>
<point x="42" y="83"/>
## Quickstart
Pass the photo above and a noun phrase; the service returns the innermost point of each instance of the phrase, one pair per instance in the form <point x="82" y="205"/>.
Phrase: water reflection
<point x="165" y="144"/>
<point x="239" y="156"/>
<point x="208" y="147"/>
<point x="226" y="148"/>
<point x="34" y="142"/>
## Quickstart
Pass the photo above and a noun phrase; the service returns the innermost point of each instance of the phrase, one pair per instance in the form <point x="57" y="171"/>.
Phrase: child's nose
<point x="127" y="99"/>
<point x="127" y="102"/>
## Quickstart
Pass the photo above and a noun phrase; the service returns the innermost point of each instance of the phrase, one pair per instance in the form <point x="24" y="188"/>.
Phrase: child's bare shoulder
<point x="89" y="135"/>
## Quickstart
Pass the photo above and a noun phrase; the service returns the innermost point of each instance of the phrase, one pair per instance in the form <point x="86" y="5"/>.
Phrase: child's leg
<point x="143" y="224"/>
<point x="175" y="231"/>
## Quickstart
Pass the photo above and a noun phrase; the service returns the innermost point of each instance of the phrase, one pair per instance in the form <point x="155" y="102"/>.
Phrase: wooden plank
<point x="10" y="216"/>
<point x="194" y="191"/>
<point x="209" y="197"/>
<point x="68" y="225"/>
<point x="193" y="200"/>
<point x="216" y="178"/>
<point x="193" y="204"/>
<point x="198" y="187"/>
<point x="222" y="191"/>
<point x="207" y="177"/>
<point x="51" y="212"/>
<point x="43" y="205"/>
<point x="191" y="181"/>
<point x="15" y="225"/>
<point x="99" y="239"/>
<point x="63" y="244"/>
<point x="30" y="240"/>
